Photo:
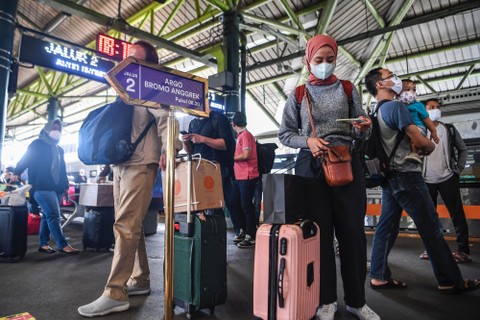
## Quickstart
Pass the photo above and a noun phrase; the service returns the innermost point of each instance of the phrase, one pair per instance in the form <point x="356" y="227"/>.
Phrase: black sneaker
<point x="239" y="238"/>
<point x="248" y="242"/>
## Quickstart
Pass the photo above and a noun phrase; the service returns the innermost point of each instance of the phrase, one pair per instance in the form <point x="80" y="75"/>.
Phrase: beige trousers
<point x="132" y="191"/>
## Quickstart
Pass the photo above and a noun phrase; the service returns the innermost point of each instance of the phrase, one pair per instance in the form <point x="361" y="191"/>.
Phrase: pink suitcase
<point x="286" y="277"/>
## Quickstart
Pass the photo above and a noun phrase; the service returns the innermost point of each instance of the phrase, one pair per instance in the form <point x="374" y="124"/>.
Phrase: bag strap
<point x="309" y="110"/>
<point x="398" y="139"/>
<point x="301" y="90"/>
<point x="144" y="132"/>
<point x="299" y="94"/>
<point x="451" y="140"/>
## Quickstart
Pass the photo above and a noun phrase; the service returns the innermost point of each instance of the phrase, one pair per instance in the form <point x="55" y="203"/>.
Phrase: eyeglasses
<point x="393" y="75"/>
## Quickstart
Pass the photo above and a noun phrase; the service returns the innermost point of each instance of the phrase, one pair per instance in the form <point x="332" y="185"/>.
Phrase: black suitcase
<point x="98" y="228"/>
<point x="13" y="232"/>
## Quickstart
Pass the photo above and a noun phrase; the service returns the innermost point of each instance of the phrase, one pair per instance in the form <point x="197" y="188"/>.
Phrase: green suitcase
<point x="200" y="264"/>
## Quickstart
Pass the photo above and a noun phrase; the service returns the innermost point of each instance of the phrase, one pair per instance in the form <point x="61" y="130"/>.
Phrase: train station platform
<point x="53" y="286"/>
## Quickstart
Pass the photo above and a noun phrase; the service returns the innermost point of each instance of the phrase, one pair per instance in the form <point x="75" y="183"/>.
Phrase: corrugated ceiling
<point x="416" y="50"/>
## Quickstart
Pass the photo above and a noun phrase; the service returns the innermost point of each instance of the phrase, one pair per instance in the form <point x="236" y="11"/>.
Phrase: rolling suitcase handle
<point x="189" y="223"/>
<point x="281" y="275"/>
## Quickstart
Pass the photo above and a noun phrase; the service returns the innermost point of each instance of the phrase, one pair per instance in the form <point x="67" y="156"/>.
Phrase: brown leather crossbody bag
<point x="336" y="162"/>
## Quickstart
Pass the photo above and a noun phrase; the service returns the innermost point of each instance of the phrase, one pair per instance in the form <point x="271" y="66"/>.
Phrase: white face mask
<point x="55" y="134"/>
<point x="397" y="84"/>
<point x="322" y="70"/>
<point x="435" y="114"/>
<point x="407" y="97"/>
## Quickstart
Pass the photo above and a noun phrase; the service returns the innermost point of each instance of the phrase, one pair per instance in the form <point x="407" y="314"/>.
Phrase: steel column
<point x="243" y="61"/>
<point x="52" y="108"/>
<point x="231" y="47"/>
<point x="8" y="10"/>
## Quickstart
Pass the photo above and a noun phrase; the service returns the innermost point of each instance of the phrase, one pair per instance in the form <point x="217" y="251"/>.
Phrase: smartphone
<point x="183" y="132"/>
<point x="350" y="120"/>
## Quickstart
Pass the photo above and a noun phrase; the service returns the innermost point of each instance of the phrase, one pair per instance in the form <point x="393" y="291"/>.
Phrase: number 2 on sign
<point x="131" y="85"/>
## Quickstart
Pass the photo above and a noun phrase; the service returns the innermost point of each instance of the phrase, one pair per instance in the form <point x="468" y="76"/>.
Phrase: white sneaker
<point x="414" y="157"/>
<point x="364" y="313"/>
<point x="103" y="306"/>
<point x="326" y="311"/>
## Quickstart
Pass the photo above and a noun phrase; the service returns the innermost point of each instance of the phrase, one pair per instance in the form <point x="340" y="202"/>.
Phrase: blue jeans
<point x="247" y="190"/>
<point x="49" y="201"/>
<point x="408" y="191"/>
<point x="257" y="200"/>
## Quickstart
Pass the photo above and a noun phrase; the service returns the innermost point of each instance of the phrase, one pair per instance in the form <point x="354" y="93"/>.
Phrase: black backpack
<point x="377" y="162"/>
<point x="265" y="156"/>
<point x="105" y="135"/>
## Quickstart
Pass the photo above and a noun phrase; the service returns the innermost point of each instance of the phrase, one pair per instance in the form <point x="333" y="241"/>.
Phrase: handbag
<point x="285" y="198"/>
<point x="336" y="162"/>
<point x="337" y="166"/>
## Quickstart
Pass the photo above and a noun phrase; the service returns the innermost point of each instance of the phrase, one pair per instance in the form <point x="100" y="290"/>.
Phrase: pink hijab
<point x="313" y="45"/>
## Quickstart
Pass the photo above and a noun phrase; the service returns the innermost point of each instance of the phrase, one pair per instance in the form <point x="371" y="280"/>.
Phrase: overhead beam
<point x="219" y="4"/>
<point x="426" y="84"/>
<point x="272" y="33"/>
<point x="430" y="16"/>
<point x="274" y="24"/>
<point x="280" y="77"/>
<point x="262" y="107"/>
<point x="441" y="69"/>
<point x="256" y="49"/>
<point x="44" y="80"/>
<point x="280" y="91"/>
<point x="467" y="74"/>
<point x="91" y="15"/>
<point x="170" y="17"/>
<point x="374" y="13"/>
<point x="326" y="17"/>
<point x="383" y="41"/>
<point x="293" y="17"/>
<point x="454" y="46"/>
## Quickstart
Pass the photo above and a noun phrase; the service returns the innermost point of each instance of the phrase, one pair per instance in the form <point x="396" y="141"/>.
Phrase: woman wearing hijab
<point x="47" y="174"/>
<point x="340" y="209"/>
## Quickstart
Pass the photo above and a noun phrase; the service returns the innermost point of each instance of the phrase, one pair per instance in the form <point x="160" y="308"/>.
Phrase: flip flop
<point x="468" y="285"/>
<point x="391" y="284"/>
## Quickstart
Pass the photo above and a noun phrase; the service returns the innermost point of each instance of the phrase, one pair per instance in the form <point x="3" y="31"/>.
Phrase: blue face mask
<point x="322" y="70"/>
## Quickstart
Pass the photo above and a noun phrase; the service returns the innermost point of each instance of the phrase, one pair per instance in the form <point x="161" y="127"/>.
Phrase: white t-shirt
<point x="437" y="169"/>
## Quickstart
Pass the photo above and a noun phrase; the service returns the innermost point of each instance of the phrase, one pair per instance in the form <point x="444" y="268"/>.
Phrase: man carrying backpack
<point x="441" y="171"/>
<point x="405" y="189"/>
<point x="132" y="189"/>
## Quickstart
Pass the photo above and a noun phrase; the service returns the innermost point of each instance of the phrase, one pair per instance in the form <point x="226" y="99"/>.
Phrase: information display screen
<point x="113" y="48"/>
<point x="57" y="56"/>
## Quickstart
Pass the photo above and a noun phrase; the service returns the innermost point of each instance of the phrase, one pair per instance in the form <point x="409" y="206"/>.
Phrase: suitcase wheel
<point x="190" y="311"/>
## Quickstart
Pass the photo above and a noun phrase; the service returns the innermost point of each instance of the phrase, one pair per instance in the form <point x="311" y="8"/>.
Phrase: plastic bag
<point x="17" y="197"/>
